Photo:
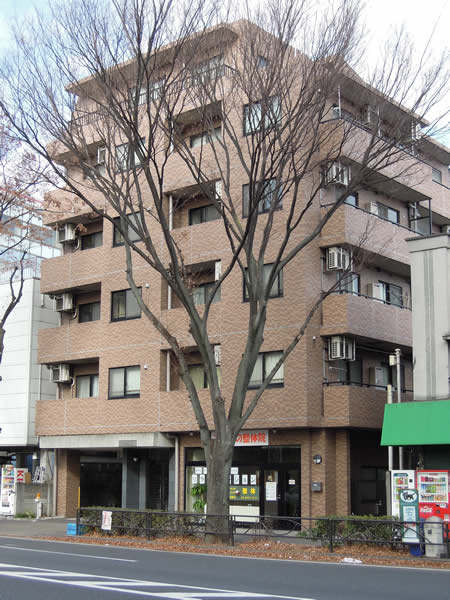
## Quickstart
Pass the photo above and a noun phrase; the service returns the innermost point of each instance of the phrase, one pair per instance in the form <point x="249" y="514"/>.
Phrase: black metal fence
<point x="328" y="531"/>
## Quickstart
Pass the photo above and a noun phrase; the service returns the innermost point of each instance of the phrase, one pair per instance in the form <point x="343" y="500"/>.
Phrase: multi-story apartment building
<point x="122" y="425"/>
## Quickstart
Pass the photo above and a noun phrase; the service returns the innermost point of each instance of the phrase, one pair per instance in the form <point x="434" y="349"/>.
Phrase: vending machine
<point x="7" y="490"/>
<point x="433" y="494"/>
<point x="400" y="480"/>
<point x="11" y="476"/>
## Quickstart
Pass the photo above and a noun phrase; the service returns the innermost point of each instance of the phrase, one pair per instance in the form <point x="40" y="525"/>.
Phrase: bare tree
<point x="112" y="94"/>
<point x="19" y="177"/>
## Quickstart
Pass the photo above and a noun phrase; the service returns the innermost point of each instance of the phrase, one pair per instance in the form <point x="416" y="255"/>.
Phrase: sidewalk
<point x="29" y="528"/>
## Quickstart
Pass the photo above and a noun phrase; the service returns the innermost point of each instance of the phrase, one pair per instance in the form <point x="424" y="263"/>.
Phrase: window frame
<point x="91" y="236"/>
<point x="131" y="232"/>
<point x="348" y="279"/>
<point x="205" y="137"/>
<point x="272" y="384"/>
<point x="436" y="175"/>
<point x="116" y="293"/>
<point x="268" y="192"/>
<point x="89" y="304"/>
<point x="202" y="210"/>
<point x="387" y="293"/>
<point x="279" y="281"/>
<point x="91" y="385"/>
<point x="205" y="379"/>
<point x="272" y="118"/>
<point x="207" y="286"/>
<point x="125" y="393"/>
<point x="387" y="208"/>
<point x="132" y="159"/>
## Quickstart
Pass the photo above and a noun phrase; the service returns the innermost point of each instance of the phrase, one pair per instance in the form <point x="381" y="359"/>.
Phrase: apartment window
<point x="261" y="62"/>
<point x="205" y="137"/>
<point x="203" y="293"/>
<point x="87" y="386"/>
<point x="125" y="382"/>
<point x="126" y="158"/>
<point x="133" y="236"/>
<point x="345" y="371"/>
<point x="351" y="199"/>
<point x="89" y="312"/>
<point x="154" y="92"/>
<point x="198" y="376"/>
<point x="348" y="283"/>
<point x="203" y="214"/>
<point x="391" y="294"/>
<point x="388" y="213"/>
<point x="263" y="366"/>
<point x="270" y="195"/>
<point x="92" y="240"/>
<point x="262" y="115"/>
<point x="124" y="306"/>
<point x="276" y="291"/>
<point x="436" y="175"/>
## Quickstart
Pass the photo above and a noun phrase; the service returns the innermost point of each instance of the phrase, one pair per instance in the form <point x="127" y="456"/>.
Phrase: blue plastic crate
<point x="72" y="529"/>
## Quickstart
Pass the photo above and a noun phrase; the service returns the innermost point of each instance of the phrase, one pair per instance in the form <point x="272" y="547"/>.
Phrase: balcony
<point x="80" y="341"/>
<point x="358" y="227"/>
<point x="367" y="318"/>
<point x="72" y="270"/>
<point x="355" y="406"/>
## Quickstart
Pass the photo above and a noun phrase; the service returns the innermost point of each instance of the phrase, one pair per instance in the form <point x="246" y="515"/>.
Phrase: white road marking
<point x="68" y="553"/>
<point x="100" y="582"/>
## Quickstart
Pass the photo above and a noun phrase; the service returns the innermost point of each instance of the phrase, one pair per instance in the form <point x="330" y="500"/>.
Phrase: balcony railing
<point x="406" y="300"/>
<point x="190" y="81"/>
<point x="364" y="385"/>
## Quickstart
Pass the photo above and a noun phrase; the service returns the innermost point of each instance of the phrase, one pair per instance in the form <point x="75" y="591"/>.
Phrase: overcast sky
<point x="420" y="16"/>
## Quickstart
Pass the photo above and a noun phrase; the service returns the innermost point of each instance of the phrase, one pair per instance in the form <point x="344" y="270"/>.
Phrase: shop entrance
<point x="264" y="481"/>
<point x="281" y="495"/>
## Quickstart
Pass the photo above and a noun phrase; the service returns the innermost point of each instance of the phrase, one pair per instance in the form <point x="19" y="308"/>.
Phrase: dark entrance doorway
<point x="101" y="484"/>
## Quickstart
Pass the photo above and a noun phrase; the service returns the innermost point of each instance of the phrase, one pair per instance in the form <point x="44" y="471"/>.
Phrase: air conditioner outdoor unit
<point x="66" y="233"/>
<point x="60" y="373"/>
<point x="338" y="258"/>
<point x="377" y="376"/>
<point x="375" y="290"/>
<point x="341" y="348"/>
<point x="64" y="302"/>
<point x="337" y="174"/>
<point x="445" y="229"/>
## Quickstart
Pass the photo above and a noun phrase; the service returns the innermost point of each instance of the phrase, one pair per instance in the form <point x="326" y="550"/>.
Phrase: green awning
<point x="416" y="423"/>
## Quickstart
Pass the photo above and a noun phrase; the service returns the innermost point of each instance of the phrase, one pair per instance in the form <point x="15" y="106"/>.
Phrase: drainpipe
<point x="177" y="461"/>
<point x="176" y="495"/>
<point x="399" y="399"/>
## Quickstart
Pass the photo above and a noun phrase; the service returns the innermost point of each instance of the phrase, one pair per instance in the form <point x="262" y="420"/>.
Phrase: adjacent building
<point x="422" y="425"/>
<point x="23" y="380"/>
<point x="122" y="425"/>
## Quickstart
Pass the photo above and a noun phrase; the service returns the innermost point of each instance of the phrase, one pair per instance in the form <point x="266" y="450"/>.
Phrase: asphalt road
<point x="40" y="570"/>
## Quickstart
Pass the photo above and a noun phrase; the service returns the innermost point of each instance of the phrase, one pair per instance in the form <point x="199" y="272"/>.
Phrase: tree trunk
<point x="218" y="493"/>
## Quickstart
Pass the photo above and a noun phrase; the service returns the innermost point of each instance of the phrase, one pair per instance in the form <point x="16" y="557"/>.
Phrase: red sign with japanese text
<point x="253" y="437"/>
